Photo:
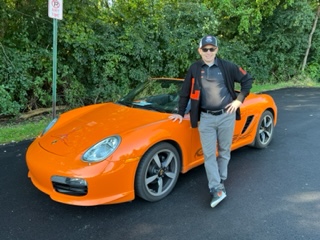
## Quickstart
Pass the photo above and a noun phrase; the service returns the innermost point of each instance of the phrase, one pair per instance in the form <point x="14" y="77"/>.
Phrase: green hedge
<point x="103" y="50"/>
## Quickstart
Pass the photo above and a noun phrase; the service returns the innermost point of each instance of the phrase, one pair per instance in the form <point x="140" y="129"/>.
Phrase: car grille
<point x="70" y="190"/>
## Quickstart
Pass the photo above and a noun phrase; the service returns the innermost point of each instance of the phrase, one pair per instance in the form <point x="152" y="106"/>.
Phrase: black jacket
<point x="191" y="88"/>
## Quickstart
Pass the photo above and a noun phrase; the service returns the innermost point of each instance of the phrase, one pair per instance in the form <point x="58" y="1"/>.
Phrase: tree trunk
<point x="310" y="38"/>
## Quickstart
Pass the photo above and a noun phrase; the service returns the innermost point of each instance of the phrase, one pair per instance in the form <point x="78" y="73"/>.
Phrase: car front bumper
<point x="81" y="184"/>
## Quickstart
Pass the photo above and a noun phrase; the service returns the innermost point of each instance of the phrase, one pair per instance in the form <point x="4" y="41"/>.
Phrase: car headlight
<point x="101" y="150"/>
<point x="49" y="126"/>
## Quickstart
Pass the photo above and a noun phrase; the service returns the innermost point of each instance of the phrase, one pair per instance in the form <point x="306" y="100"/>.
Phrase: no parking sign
<point x="55" y="9"/>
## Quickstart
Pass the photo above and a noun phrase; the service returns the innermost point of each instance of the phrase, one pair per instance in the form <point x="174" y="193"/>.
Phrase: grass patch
<point x="15" y="132"/>
<point x="299" y="81"/>
<point x="268" y="87"/>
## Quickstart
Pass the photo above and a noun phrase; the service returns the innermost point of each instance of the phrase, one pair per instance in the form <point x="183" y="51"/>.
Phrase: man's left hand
<point x="233" y="106"/>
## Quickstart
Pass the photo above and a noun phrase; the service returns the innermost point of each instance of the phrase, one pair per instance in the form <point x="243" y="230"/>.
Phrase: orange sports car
<point x="111" y="152"/>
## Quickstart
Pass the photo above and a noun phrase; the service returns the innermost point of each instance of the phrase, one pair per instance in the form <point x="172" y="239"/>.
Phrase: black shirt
<point x="214" y="95"/>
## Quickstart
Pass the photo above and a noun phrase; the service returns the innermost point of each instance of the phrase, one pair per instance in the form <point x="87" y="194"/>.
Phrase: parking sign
<point x="55" y="9"/>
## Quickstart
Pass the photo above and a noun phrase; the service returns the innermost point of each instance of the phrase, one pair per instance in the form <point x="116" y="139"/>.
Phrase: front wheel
<point x="264" y="131"/>
<point x="158" y="172"/>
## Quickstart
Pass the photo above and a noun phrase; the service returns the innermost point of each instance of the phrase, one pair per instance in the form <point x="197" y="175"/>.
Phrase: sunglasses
<point x="208" y="49"/>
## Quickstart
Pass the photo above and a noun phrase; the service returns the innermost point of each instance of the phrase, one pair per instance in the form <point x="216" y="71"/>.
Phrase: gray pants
<point x="216" y="131"/>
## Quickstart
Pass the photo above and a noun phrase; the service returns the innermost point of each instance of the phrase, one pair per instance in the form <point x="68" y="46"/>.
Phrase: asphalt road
<point x="272" y="193"/>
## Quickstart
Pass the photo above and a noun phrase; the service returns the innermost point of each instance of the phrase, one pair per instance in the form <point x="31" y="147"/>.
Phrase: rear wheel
<point x="158" y="172"/>
<point x="265" y="130"/>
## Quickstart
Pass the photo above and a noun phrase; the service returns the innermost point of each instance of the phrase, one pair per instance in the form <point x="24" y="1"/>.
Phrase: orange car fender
<point x="166" y="131"/>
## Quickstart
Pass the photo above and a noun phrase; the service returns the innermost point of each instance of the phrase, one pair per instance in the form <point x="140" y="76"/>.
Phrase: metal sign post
<point x="54" y="70"/>
<point x="55" y="11"/>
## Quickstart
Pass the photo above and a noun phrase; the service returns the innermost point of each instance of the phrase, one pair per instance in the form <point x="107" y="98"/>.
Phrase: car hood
<point x="80" y="129"/>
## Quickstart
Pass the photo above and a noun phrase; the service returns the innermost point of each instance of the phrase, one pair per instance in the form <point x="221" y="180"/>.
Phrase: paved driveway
<point x="272" y="193"/>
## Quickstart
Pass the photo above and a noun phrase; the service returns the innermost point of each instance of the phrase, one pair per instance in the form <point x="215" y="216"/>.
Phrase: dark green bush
<point x="103" y="51"/>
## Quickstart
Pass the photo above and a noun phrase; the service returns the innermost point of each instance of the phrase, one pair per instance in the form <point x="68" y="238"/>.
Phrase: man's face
<point x="208" y="53"/>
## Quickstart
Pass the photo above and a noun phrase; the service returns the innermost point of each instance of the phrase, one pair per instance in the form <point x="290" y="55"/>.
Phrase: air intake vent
<point x="247" y="124"/>
<point x="70" y="186"/>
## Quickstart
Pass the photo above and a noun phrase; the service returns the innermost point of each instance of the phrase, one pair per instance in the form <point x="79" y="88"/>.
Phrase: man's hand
<point x="174" y="117"/>
<point x="232" y="107"/>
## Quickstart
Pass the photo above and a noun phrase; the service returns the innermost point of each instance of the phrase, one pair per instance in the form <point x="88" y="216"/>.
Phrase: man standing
<point x="209" y="84"/>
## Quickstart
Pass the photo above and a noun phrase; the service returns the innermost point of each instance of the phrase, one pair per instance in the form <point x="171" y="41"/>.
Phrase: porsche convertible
<point x="112" y="152"/>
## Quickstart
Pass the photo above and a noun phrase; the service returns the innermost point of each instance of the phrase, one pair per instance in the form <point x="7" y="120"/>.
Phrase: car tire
<point x="264" y="132"/>
<point x="158" y="172"/>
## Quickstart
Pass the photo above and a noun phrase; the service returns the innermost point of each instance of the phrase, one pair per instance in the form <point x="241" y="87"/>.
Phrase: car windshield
<point x="160" y="95"/>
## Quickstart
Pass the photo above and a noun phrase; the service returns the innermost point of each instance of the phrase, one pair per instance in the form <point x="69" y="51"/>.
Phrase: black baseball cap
<point x="208" y="40"/>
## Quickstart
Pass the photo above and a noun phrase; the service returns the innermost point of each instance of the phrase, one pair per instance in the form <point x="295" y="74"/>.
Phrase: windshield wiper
<point x="149" y="107"/>
<point x="125" y="103"/>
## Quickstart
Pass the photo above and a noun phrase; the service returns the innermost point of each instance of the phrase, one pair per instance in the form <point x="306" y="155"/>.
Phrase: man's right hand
<point x="174" y="117"/>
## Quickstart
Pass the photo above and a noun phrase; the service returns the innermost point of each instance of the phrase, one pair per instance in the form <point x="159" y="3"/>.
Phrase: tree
<point x="107" y="47"/>
<point x="279" y="48"/>
<point x="304" y="63"/>
<point x="243" y="17"/>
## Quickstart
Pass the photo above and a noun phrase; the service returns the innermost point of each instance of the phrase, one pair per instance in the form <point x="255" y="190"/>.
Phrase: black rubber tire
<point x="158" y="172"/>
<point x="265" y="130"/>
